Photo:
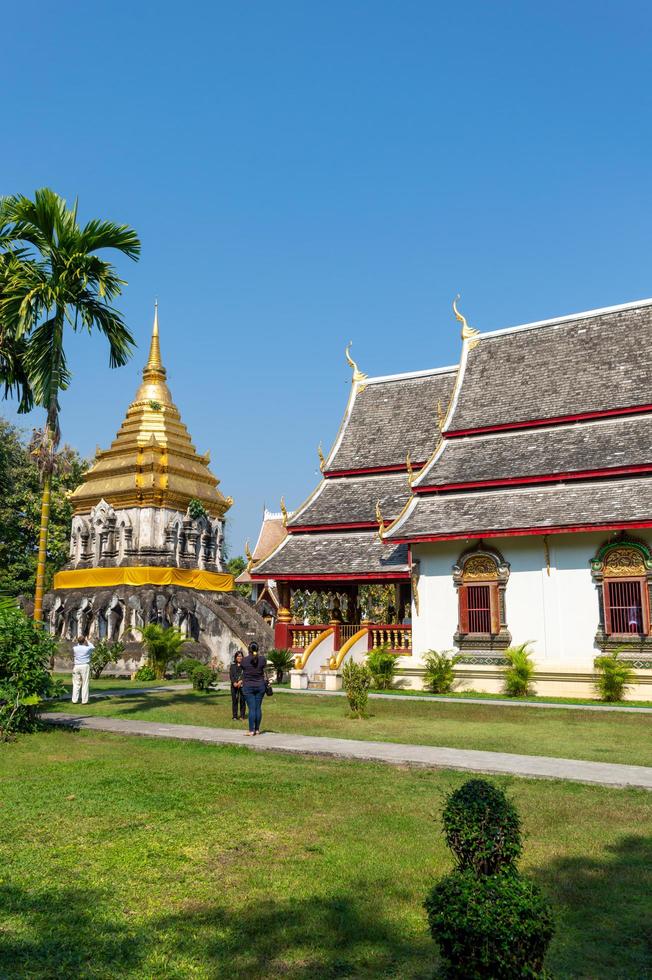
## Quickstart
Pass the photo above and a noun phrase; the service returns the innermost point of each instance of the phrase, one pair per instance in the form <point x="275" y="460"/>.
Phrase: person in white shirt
<point x="81" y="671"/>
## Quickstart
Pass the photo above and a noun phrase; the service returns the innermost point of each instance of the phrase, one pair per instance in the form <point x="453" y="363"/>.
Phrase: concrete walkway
<point x="393" y="753"/>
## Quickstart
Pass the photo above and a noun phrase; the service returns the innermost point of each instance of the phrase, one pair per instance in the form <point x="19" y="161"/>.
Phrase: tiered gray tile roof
<point x="352" y="499"/>
<point x="579" y="502"/>
<point x="596" y="362"/>
<point x="584" y="446"/>
<point x="390" y="418"/>
<point x="339" y="553"/>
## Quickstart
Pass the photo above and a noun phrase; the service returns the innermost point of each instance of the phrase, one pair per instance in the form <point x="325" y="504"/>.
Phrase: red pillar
<point x="281" y="630"/>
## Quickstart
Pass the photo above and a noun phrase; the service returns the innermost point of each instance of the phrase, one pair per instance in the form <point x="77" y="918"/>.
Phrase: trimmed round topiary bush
<point x="490" y="926"/>
<point x="482" y="827"/>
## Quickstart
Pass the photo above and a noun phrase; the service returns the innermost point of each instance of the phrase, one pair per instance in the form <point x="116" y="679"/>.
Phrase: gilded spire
<point x="152" y="462"/>
<point x="154" y="363"/>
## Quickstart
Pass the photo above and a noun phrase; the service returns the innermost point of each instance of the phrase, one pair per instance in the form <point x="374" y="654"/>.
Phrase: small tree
<point x="382" y="665"/>
<point x="518" y="676"/>
<point x="614" y="676"/>
<point x="356" y="679"/>
<point x="282" y="661"/>
<point x="105" y="653"/>
<point x="163" y="645"/>
<point x="487" y="920"/>
<point x="25" y="681"/>
<point x="440" y="670"/>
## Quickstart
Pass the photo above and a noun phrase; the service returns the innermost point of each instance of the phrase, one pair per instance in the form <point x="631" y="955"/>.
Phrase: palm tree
<point x="163" y="645"/>
<point x="50" y="276"/>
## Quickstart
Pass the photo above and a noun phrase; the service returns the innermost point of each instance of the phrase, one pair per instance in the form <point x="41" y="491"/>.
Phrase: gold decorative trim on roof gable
<point x="358" y="375"/>
<point x="470" y="335"/>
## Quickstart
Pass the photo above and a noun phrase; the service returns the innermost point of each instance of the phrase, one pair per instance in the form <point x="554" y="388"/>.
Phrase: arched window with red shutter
<point x="480" y="578"/>
<point x="622" y="571"/>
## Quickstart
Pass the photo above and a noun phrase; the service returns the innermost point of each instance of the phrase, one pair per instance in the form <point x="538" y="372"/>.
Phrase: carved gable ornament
<point x="480" y="564"/>
<point x="478" y="568"/>
<point x="623" y="561"/>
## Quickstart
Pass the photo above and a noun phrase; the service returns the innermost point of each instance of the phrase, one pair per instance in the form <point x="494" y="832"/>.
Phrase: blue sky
<point x="303" y="174"/>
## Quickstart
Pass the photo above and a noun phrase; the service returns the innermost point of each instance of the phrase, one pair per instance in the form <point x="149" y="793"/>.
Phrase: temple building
<point x="146" y="543"/>
<point x="523" y="512"/>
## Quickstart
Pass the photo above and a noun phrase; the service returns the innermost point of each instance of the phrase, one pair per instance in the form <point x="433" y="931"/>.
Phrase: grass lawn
<point x="124" y="857"/>
<point x="531" y="699"/>
<point x="118" y="683"/>
<point x="612" y="737"/>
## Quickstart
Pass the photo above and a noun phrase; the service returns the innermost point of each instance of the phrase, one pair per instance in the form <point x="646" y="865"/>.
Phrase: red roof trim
<point x="368" y="470"/>
<point x="336" y="577"/>
<point x="524" y="480"/>
<point x="520" y="532"/>
<point x="553" y="420"/>
<point x="355" y="525"/>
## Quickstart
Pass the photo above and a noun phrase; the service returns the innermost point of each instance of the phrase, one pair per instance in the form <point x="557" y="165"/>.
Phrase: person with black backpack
<point x="254" y="687"/>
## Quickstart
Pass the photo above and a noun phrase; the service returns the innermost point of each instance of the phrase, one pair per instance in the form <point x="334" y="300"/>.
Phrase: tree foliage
<point x="52" y="280"/>
<point x="236" y="566"/>
<point x="20" y="504"/>
<point x="25" y="680"/>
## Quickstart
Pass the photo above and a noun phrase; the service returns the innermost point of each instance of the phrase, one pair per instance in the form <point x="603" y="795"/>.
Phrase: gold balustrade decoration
<point x="397" y="638"/>
<point x="303" y="636"/>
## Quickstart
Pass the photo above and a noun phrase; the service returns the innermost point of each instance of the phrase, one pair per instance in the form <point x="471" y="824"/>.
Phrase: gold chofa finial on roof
<point x="380" y="519"/>
<point x="408" y="466"/>
<point x="249" y="556"/>
<point x="322" y="461"/>
<point x="154" y="362"/>
<point x="357" y="373"/>
<point x="284" y="511"/>
<point x="469" y="334"/>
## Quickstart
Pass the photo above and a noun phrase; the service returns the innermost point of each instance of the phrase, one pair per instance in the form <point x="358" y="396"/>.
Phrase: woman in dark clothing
<point x="255" y="682"/>
<point x="237" y="697"/>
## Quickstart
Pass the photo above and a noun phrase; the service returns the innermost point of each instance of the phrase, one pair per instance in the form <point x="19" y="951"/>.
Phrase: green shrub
<point x="103" y="654"/>
<point x="25" y="681"/>
<point x="482" y="827"/>
<point x="145" y="673"/>
<point x="282" y="661"/>
<point x="356" y="679"/>
<point x="163" y="645"/>
<point x="614" y="677"/>
<point x="490" y="926"/>
<point x="518" y="676"/>
<point x="488" y="921"/>
<point x="382" y="665"/>
<point x="186" y="666"/>
<point x="202" y="677"/>
<point x="440" y="670"/>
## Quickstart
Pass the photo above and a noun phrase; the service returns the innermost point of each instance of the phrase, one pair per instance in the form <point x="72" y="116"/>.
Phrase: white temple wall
<point x="558" y="611"/>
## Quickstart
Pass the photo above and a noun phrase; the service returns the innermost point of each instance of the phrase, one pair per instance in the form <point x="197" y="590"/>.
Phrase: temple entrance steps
<point x="317" y="682"/>
<point x="241" y="618"/>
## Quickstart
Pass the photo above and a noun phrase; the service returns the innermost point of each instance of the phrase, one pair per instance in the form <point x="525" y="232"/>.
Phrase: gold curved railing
<point x="301" y="659"/>
<point x="337" y="658"/>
